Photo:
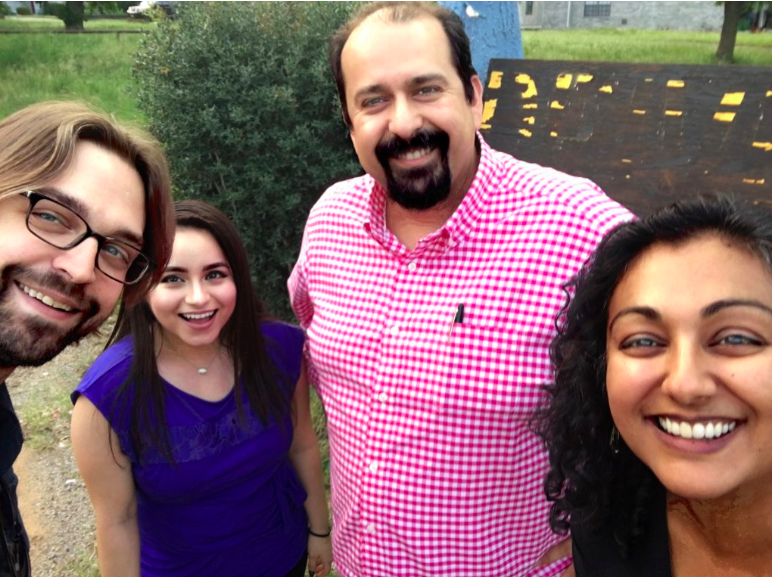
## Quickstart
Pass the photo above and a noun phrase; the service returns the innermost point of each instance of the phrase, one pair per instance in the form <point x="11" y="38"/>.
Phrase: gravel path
<point x="53" y="499"/>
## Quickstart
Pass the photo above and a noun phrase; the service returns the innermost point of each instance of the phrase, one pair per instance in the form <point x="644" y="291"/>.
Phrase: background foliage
<point x="241" y="96"/>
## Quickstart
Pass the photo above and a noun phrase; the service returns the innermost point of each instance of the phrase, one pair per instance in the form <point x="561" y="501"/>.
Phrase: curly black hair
<point x="593" y="479"/>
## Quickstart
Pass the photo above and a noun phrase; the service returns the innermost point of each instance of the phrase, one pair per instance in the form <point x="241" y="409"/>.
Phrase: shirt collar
<point x="460" y="223"/>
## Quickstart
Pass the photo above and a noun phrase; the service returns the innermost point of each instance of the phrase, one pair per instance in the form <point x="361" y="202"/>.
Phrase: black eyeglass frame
<point x="35" y="197"/>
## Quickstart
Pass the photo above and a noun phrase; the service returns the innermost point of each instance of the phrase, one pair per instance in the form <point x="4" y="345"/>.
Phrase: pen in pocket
<point x="457" y="320"/>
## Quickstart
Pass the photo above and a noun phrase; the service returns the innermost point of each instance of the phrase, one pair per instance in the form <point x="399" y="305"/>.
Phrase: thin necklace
<point x="201" y="370"/>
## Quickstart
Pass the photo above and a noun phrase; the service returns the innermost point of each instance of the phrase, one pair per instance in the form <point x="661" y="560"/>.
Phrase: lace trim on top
<point x="204" y="439"/>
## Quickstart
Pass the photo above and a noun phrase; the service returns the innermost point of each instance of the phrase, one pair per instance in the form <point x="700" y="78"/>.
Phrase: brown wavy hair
<point x="37" y="145"/>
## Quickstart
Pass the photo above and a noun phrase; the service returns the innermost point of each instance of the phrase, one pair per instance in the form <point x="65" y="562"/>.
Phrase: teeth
<point x="697" y="430"/>
<point x="414" y="154"/>
<point x="197" y="317"/>
<point x="45" y="299"/>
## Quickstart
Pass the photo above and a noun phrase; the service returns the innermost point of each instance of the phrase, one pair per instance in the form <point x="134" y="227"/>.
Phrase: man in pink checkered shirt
<point x="428" y="289"/>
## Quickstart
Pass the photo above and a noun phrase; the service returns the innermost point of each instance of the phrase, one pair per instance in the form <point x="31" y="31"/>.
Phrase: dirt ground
<point x="52" y="497"/>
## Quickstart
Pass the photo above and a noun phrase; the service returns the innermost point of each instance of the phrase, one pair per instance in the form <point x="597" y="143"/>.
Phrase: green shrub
<point x="241" y="96"/>
<point x="4" y="10"/>
<point x="23" y="11"/>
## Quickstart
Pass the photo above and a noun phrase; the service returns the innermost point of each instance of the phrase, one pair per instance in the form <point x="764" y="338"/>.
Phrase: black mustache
<point x="420" y="139"/>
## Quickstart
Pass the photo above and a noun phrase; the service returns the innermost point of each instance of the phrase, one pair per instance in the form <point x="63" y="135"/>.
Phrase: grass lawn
<point x="34" y="23"/>
<point x="643" y="46"/>
<point x="91" y="67"/>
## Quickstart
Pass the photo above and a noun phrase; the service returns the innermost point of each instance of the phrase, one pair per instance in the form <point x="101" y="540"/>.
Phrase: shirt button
<point x="382" y="397"/>
<point x="373" y="467"/>
<point x="394" y="330"/>
<point x="412" y="266"/>
<point x="371" y="528"/>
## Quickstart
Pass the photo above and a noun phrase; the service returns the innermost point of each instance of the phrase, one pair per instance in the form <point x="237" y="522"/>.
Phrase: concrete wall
<point x="703" y="15"/>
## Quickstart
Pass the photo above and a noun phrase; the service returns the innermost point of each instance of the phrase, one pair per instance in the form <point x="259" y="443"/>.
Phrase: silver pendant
<point x="202" y="370"/>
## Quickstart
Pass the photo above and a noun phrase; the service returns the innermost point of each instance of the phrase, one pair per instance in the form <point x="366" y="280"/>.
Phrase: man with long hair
<point x="85" y="219"/>
<point x="428" y="288"/>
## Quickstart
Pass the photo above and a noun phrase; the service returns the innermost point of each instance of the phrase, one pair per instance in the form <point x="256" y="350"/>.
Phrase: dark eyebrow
<point x="80" y="208"/>
<point x="372" y="89"/>
<point x="207" y="268"/>
<point x="412" y="83"/>
<point x="714" y="308"/>
<point x="426" y="78"/>
<point x="647" y="312"/>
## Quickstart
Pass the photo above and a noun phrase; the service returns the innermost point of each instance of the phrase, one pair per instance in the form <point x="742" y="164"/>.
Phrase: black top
<point x="597" y="554"/>
<point x="14" y="545"/>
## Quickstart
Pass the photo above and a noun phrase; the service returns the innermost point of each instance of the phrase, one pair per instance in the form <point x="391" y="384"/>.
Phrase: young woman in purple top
<point x="193" y="432"/>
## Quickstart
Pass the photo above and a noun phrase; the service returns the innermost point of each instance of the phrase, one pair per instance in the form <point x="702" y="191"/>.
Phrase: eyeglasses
<point x="59" y="226"/>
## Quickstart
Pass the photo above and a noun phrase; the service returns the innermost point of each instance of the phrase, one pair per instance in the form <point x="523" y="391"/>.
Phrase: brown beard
<point x="30" y="341"/>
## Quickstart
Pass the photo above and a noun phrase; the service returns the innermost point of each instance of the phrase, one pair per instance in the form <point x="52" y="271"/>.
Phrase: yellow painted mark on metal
<point x="529" y="106"/>
<point x="754" y="181"/>
<point x="529" y="120"/>
<point x="768" y="93"/>
<point x="607" y="89"/>
<point x="584" y="78"/>
<point x="732" y="98"/>
<point x="640" y="112"/>
<point x="526" y="133"/>
<point x="648" y="79"/>
<point x="765" y="145"/>
<point x="626" y="161"/>
<point x="628" y="177"/>
<point x="724" y="116"/>
<point x="675" y="84"/>
<point x="553" y="133"/>
<point x="496" y="80"/>
<point x="556" y="104"/>
<point x="563" y="81"/>
<point x="531" y="88"/>
<point x="489" y="107"/>
<point x="673" y="113"/>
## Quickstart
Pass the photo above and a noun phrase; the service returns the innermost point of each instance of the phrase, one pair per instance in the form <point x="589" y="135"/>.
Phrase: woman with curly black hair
<point x="659" y="421"/>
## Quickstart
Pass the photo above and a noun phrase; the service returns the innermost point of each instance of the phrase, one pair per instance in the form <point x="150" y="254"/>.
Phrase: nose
<point x="79" y="262"/>
<point x="688" y="379"/>
<point x="405" y="119"/>
<point x="197" y="294"/>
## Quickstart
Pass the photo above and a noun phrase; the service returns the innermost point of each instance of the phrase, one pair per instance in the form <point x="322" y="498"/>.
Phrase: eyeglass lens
<point x="61" y="227"/>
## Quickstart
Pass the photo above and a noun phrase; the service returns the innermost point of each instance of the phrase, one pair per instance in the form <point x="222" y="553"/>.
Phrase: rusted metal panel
<point x="647" y="134"/>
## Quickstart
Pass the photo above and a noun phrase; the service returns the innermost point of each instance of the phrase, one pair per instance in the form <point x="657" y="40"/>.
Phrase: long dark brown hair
<point x="241" y="337"/>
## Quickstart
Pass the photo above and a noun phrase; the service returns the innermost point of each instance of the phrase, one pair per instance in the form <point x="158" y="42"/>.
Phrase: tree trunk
<point x="73" y="16"/>
<point x="733" y="11"/>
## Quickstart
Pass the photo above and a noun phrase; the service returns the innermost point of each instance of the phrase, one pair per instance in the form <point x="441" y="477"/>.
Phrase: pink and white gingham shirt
<point x="433" y="468"/>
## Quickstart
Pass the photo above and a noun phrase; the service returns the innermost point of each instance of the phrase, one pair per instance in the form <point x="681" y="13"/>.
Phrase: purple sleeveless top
<point x="232" y="503"/>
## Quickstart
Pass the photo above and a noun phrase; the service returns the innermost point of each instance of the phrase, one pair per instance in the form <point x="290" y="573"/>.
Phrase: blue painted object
<point x="494" y="29"/>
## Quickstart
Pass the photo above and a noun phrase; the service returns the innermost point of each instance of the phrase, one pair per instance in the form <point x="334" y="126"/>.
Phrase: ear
<point x="477" y="101"/>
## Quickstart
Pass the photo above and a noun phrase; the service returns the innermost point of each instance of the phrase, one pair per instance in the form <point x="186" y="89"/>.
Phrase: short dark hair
<point x="587" y="481"/>
<point x="398" y="12"/>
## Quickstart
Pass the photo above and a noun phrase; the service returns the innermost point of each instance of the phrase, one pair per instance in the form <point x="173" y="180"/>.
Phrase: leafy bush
<point x="241" y="96"/>
<point x="23" y="11"/>
<point x="4" y="10"/>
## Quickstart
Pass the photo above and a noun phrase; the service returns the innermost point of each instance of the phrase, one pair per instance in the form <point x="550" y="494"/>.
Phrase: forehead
<point x="380" y="52"/>
<point x="195" y="246"/>
<point x="104" y="189"/>
<point x="692" y="274"/>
